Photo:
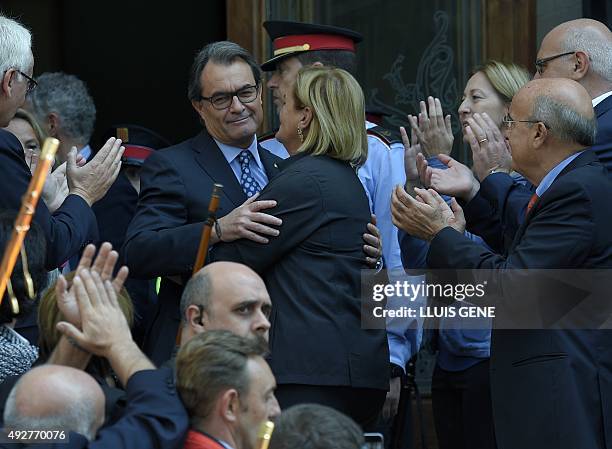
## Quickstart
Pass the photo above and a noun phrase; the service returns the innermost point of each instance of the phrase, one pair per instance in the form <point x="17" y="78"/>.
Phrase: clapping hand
<point x="490" y="150"/>
<point x="104" y="325"/>
<point x="433" y="130"/>
<point x="92" y="181"/>
<point x="103" y="265"/>
<point x="456" y="180"/>
<point x="426" y="215"/>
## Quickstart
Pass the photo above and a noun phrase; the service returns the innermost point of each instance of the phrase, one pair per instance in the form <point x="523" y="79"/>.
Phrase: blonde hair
<point x="336" y="100"/>
<point x="506" y="79"/>
<point x="39" y="132"/>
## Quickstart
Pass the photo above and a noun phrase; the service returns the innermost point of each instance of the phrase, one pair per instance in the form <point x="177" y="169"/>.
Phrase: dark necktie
<point x="248" y="183"/>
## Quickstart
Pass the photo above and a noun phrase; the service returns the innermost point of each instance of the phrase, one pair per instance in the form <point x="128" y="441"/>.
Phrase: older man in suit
<point x="176" y="184"/>
<point x="69" y="228"/>
<point x="563" y="378"/>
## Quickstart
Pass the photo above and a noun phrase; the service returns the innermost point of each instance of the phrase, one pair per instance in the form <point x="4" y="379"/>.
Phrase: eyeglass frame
<point x="539" y="63"/>
<point x="506" y="122"/>
<point x="32" y="83"/>
<point x="231" y="96"/>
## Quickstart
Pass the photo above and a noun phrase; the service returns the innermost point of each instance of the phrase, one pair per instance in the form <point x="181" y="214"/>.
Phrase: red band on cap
<point x="137" y="152"/>
<point x="316" y="42"/>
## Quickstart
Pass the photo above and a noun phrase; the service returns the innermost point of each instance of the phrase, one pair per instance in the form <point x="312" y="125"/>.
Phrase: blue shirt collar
<point x="230" y="153"/>
<point x="552" y="175"/>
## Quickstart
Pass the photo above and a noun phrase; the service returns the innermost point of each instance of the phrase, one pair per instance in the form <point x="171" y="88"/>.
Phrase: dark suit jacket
<point x="154" y="417"/>
<point x="68" y="229"/>
<point x="550" y="388"/>
<point x="163" y="237"/>
<point x="114" y="212"/>
<point x="312" y="271"/>
<point x="603" y="142"/>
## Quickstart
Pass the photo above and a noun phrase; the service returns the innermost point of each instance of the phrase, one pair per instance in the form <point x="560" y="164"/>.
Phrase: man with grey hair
<point x="63" y="105"/>
<point x="73" y="224"/>
<point x="228" y="296"/>
<point x="562" y="377"/>
<point x="176" y="184"/>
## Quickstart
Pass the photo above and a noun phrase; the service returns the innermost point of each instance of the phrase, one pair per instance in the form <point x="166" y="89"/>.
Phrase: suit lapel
<point x="585" y="158"/>
<point x="269" y="161"/>
<point x="212" y="161"/>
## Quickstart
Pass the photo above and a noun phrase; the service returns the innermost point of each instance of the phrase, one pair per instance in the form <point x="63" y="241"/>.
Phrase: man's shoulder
<point x="383" y="137"/>
<point x="8" y="141"/>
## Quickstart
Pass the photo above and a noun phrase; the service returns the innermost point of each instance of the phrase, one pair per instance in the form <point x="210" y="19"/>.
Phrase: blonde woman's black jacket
<point x="312" y="271"/>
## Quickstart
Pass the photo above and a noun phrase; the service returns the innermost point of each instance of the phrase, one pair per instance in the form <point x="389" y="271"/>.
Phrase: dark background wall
<point x="134" y="55"/>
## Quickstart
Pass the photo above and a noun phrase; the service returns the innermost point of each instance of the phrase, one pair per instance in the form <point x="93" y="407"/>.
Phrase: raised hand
<point x="55" y="189"/>
<point x="490" y="150"/>
<point x="103" y="265"/>
<point x="457" y="180"/>
<point x="433" y="130"/>
<point x="411" y="149"/>
<point x="247" y="221"/>
<point x="103" y="323"/>
<point x="104" y="329"/>
<point x="92" y="181"/>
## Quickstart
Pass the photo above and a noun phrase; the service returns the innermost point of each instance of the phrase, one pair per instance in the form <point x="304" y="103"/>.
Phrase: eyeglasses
<point x="32" y="83"/>
<point x="223" y="100"/>
<point x="541" y="63"/>
<point x="508" y="122"/>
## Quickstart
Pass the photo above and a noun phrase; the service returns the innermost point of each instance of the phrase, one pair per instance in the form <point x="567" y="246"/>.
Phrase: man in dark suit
<point x="176" y="184"/>
<point x="73" y="224"/>
<point x="561" y="378"/>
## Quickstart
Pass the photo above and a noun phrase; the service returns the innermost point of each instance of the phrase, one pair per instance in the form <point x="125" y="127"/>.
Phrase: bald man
<point x="225" y="296"/>
<point x="581" y="50"/>
<point x="549" y="388"/>
<point x="66" y="398"/>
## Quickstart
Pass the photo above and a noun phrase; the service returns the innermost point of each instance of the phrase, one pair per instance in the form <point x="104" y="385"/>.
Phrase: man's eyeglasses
<point x="32" y="83"/>
<point x="223" y="100"/>
<point x="508" y="122"/>
<point x="541" y="63"/>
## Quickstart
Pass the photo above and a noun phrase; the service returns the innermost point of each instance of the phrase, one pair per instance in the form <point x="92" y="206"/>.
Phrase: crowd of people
<point x="109" y="337"/>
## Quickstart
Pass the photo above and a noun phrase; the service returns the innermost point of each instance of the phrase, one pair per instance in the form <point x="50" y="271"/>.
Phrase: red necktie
<point x="532" y="201"/>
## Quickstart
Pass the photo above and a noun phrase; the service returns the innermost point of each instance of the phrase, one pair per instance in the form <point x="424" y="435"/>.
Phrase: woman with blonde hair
<point x="312" y="269"/>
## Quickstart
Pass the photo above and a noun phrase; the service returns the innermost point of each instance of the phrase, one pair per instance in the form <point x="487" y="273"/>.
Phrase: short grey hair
<point x="78" y="416"/>
<point x="15" y="46"/>
<point x="591" y="42"/>
<point x="197" y="292"/>
<point x="68" y="97"/>
<point x="564" y="122"/>
<point x="224" y="53"/>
